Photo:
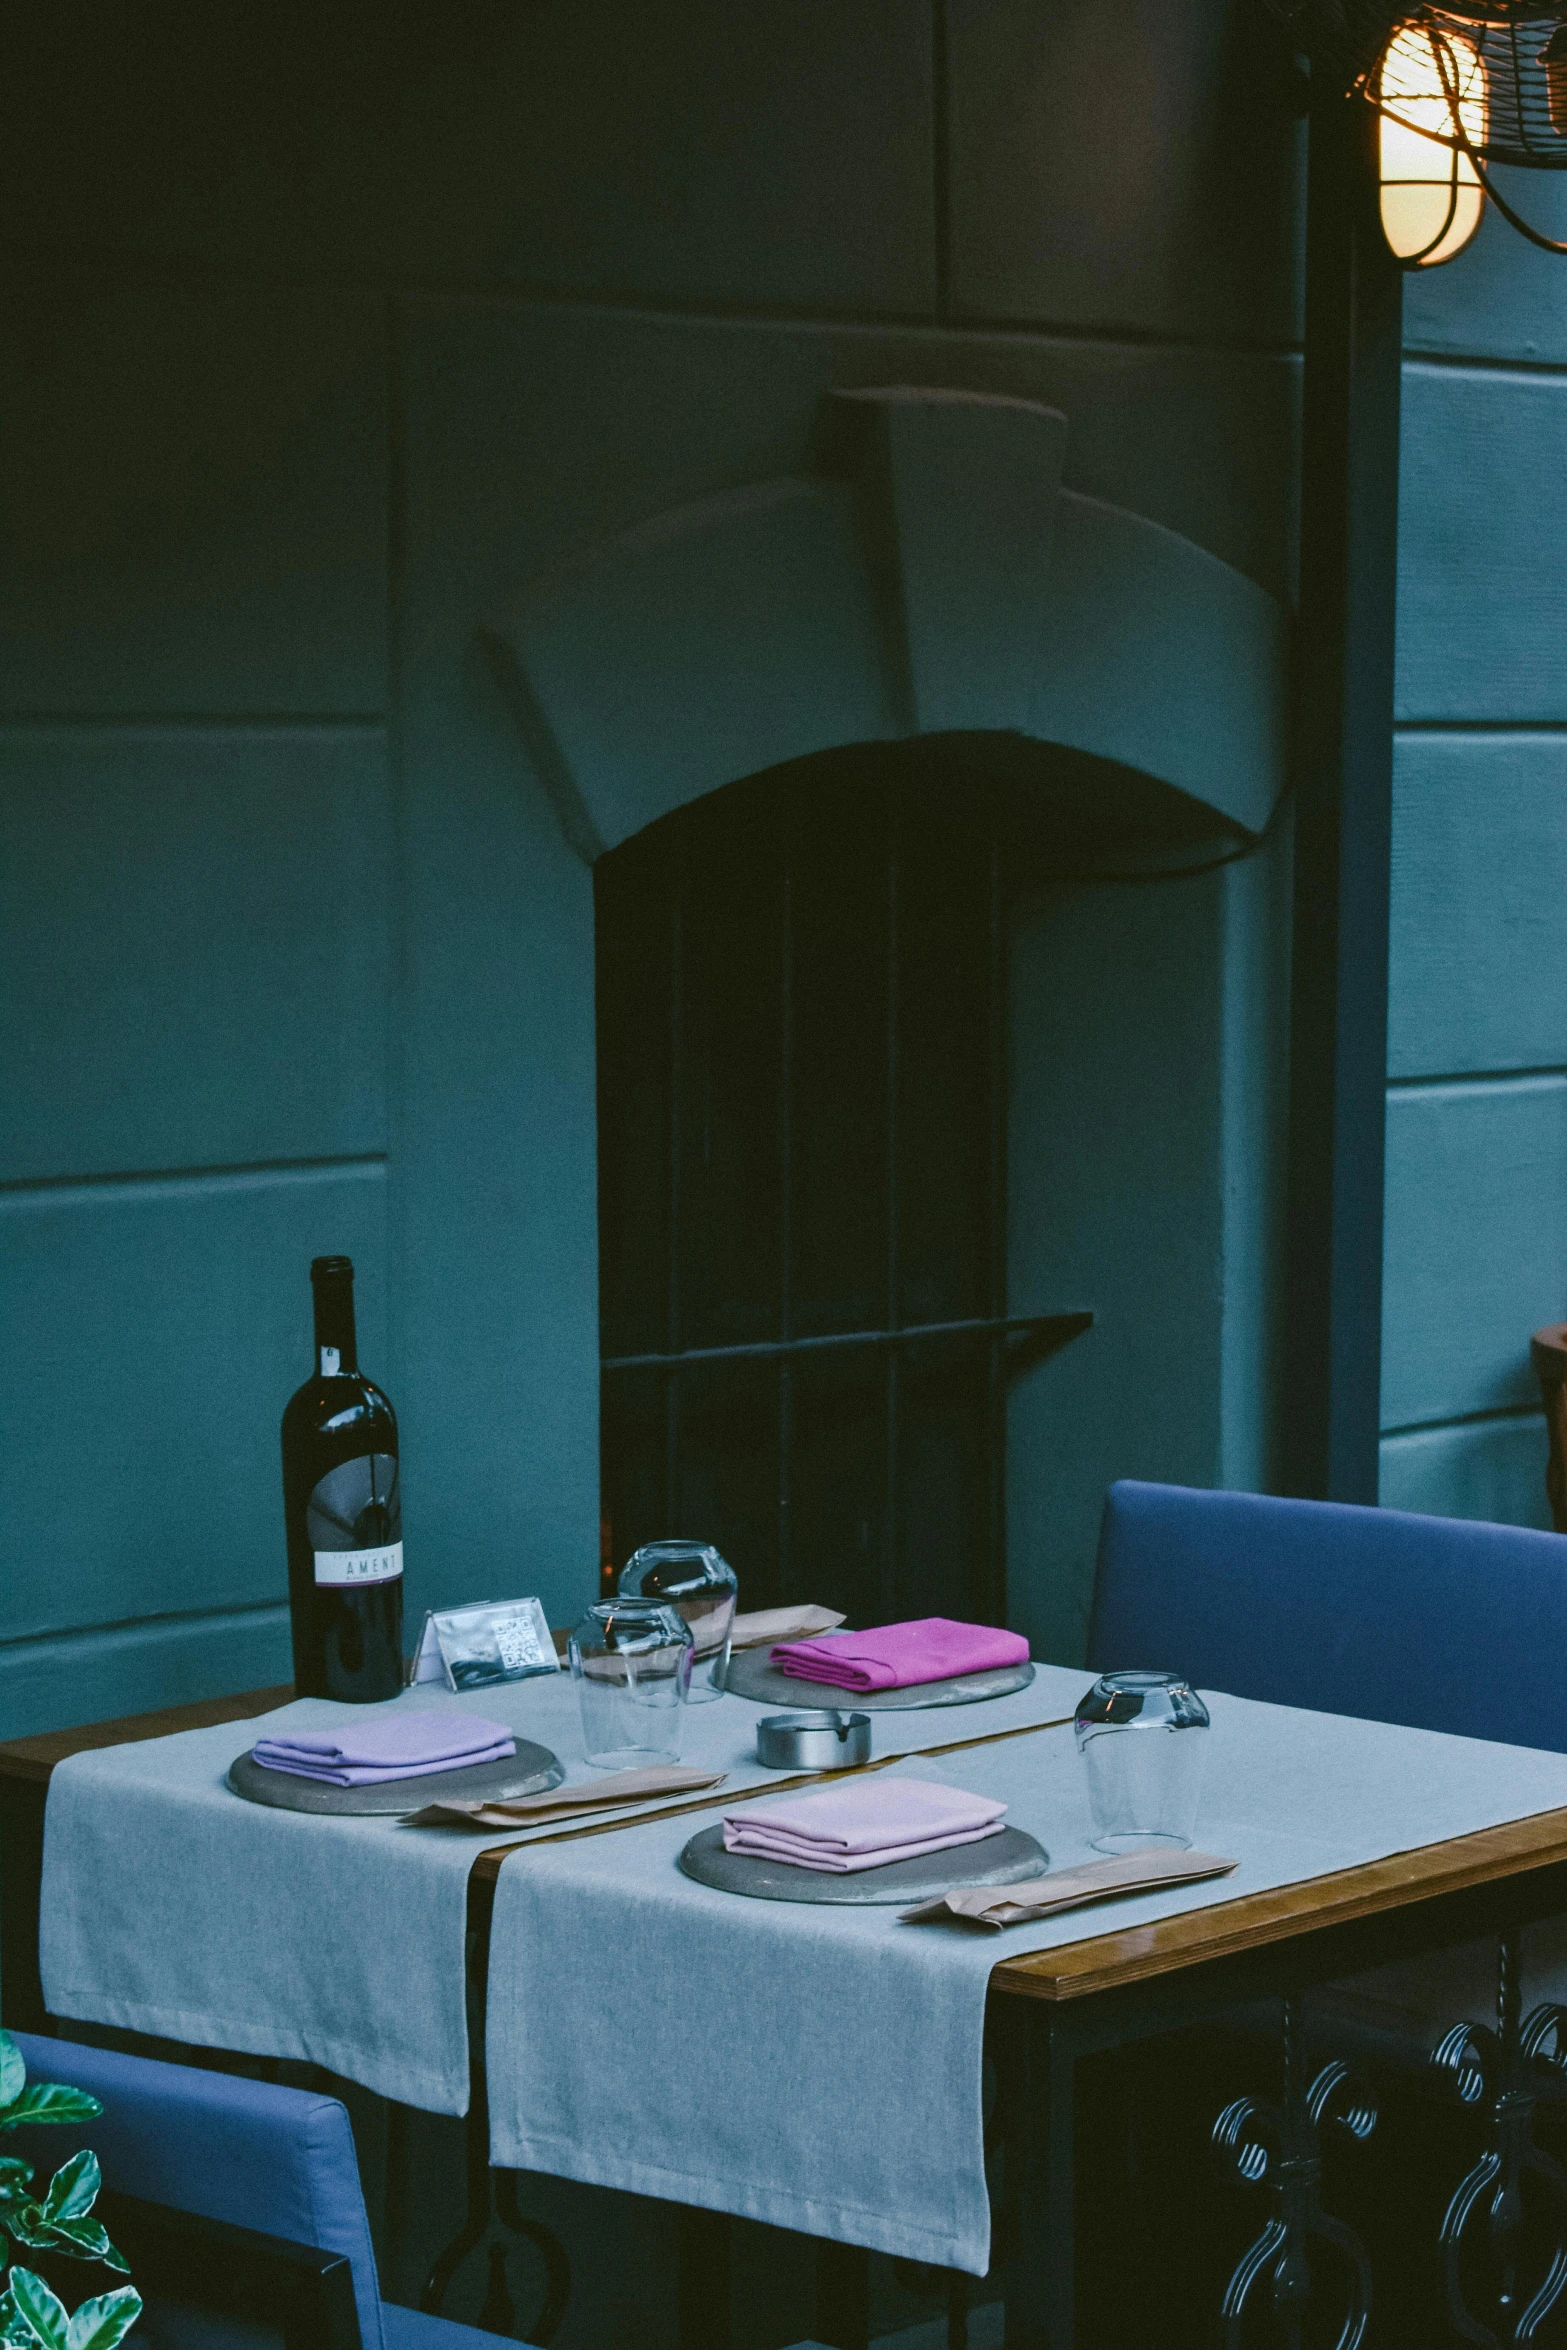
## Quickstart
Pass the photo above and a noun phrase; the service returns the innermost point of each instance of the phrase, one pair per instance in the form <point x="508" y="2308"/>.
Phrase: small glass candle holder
<point x="699" y="1583"/>
<point x="631" y="1661"/>
<point x="1145" y="1767"/>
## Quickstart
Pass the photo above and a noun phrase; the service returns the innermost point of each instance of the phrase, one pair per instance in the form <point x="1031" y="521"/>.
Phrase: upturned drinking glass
<point x="1137" y="1735"/>
<point x="694" y="1579"/>
<point x="631" y="1661"/>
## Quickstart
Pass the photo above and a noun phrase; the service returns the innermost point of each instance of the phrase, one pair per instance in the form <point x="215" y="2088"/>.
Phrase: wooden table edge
<point x="1074" y="1970"/>
<point x="33" y="1759"/>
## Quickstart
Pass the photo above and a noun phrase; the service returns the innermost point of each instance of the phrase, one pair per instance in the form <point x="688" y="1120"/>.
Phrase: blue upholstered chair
<point x="280" y="2161"/>
<point x="1437" y="1623"/>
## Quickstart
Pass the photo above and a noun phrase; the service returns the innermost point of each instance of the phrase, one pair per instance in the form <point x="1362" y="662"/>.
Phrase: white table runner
<point x="170" y="1906"/>
<point x="820" y="2068"/>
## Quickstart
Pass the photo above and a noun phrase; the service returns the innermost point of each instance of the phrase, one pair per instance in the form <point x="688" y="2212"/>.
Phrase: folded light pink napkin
<point x="895" y="1656"/>
<point x="863" y="1824"/>
<point x="392" y="1746"/>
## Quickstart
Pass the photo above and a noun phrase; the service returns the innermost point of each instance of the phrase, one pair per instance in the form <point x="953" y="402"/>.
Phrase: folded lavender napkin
<point x="896" y="1656"/>
<point x="391" y="1746"/>
<point x="863" y="1824"/>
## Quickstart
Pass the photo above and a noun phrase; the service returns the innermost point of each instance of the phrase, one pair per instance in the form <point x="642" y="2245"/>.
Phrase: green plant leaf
<point x="13" y="2326"/>
<point x="84" y="2239"/>
<point x="104" y="2320"/>
<point x="13" y="2069"/>
<point x="26" y="2222"/>
<point x="74" y="2186"/>
<point x="43" y="2312"/>
<point x="49" y="2101"/>
<point x="14" y="2172"/>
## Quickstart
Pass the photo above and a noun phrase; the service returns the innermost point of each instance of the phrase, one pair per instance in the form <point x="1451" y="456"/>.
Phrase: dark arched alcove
<point x="803" y="1064"/>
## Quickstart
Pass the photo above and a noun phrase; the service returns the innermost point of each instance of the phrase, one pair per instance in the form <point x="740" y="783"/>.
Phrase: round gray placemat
<point x="1007" y="1859"/>
<point x="753" y="1674"/>
<point x="530" y="1771"/>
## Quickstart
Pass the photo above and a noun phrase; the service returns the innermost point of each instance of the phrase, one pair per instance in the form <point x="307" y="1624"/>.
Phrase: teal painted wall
<point x="1149" y="1032"/>
<point x="1477" y="1050"/>
<point x="324" y="332"/>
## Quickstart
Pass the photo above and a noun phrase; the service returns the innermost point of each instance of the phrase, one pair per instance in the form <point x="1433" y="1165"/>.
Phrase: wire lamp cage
<point x="1460" y="88"/>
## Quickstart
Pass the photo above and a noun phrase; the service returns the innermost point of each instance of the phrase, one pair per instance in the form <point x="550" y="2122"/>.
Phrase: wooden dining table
<point x="1049" y="2012"/>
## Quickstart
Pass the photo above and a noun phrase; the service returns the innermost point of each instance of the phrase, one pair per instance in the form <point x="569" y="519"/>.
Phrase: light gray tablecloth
<point x="820" y="2068"/>
<point x="170" y="1906"/>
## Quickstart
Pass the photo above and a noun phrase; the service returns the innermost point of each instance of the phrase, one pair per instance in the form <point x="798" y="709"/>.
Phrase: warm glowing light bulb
<point x="1431" y="193"/>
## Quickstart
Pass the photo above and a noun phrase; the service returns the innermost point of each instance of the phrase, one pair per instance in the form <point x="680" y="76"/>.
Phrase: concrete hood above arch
<point x="930" y="577"/>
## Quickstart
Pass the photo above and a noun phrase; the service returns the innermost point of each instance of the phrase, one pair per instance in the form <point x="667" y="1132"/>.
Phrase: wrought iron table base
<point x="1279" y="2145"/>
<point x="1510" y="2071"/>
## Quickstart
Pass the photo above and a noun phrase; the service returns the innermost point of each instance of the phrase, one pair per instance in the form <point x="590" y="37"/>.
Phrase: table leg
<point x="21" y="1874"/>
<point x="1041" y="2162"/>
<point x="394" y="2201"/>
<point x="843" y="2296"/>
<point x="703" y="2283"/>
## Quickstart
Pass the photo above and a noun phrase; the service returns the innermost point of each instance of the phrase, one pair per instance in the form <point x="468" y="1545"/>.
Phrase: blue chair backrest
<point x="279" y="2160"/>
<point x="1437" y="1623"/>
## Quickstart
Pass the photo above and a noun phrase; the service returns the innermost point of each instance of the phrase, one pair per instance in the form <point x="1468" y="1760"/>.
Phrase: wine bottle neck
<point x="336" y="1351"/>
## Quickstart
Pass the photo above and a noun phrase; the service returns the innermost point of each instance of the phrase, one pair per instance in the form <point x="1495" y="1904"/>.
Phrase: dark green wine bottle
<point x="342" y="1509"/>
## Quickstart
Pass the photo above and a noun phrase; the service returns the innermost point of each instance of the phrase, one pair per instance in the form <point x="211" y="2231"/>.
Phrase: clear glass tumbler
<point x="631" y="1661"/>
<point x="1145" y="1766"/>
<point x="699" y="1583"/>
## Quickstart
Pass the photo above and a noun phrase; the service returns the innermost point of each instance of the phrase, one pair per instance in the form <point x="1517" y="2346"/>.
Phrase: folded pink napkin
<point x="896" y="1656"/>
<point x="392" y="1746"/>
<point x="862" y="1824"/>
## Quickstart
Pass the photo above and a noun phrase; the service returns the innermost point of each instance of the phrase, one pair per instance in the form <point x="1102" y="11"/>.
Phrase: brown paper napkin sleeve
<point x="995" y="1906"/>
<point x="566" y="1803"/>
<point x="782" y="1623"/>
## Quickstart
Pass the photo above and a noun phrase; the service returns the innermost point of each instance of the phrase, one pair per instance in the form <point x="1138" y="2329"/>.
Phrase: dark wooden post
<point x="1548" y="1351"/>
<point x="1343" y="751"/>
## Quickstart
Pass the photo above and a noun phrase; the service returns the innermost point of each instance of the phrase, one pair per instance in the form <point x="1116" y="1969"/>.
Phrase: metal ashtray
<point x="825" y="1741"/>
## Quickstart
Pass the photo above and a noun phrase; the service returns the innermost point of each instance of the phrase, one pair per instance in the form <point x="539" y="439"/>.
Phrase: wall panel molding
<point x="194" y="944"/>
<point x="1476" y="1252"/>
<point x="106" y="1670"/>
<point x="1492" y="1468"/>
<point x="194" y="481"/>
<point x="1482" y="603"/>
<point x="154" y="1332"/>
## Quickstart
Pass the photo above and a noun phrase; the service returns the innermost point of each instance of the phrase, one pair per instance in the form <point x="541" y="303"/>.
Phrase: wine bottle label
<point x="355" y="1521"/>
<point x="360" y="1566"/>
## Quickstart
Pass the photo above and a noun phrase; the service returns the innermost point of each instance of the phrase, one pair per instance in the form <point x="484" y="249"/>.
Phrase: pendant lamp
<point x="1460" y="86"/>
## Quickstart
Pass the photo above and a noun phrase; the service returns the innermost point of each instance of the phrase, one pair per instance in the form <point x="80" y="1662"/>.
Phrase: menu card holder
<point x="488" y="1641"/>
